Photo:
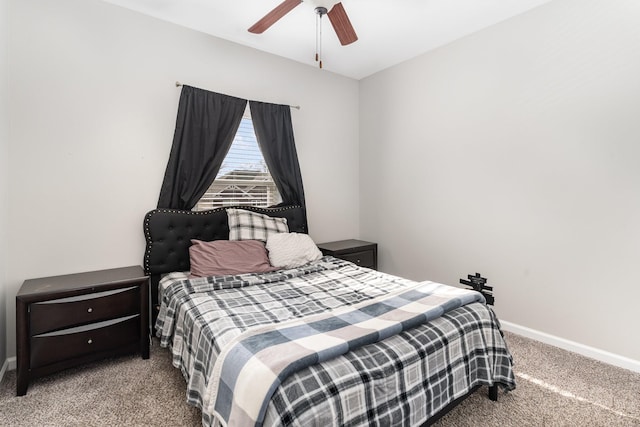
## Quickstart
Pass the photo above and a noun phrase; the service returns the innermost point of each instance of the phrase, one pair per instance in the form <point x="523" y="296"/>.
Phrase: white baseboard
<point x="584" y="350"/>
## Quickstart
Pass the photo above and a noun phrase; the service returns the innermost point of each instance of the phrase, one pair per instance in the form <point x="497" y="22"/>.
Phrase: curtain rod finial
<point x="178" y="84"/>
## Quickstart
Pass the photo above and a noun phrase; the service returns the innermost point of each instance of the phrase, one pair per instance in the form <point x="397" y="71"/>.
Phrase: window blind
<point x="244" y="178"/>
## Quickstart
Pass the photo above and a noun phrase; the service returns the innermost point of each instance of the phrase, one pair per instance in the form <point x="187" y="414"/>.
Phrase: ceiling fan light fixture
<point x="337" y="15"/>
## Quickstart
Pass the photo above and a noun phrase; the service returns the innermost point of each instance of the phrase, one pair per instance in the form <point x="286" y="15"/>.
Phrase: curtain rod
<point x="297" y="107"/>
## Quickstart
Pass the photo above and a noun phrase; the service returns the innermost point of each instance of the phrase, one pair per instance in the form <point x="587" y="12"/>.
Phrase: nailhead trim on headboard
<point x="295" y="215"/>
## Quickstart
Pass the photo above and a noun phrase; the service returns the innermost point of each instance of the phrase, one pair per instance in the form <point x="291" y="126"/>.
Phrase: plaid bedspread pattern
<point x="248" y="371"/>
<point x="401" y="381"/>
<point x="201" y="316"/>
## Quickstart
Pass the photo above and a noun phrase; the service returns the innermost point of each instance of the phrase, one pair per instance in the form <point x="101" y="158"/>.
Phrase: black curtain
<point x="206" y="125"/>
<point x="274" y="132"/>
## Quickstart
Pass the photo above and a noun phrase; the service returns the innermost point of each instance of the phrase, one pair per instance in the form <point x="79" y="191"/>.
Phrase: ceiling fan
<point x="337" y="15"/>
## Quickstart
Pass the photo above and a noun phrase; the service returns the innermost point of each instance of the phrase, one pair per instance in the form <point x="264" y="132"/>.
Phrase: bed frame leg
<point x="493" y="392"/>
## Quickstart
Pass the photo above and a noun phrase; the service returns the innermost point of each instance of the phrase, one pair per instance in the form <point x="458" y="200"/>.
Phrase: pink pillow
<point x="222" y="257"/>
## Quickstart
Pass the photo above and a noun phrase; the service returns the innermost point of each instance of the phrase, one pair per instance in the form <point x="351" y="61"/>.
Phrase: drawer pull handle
<point x="90" y="341"/>
<point x="89" y="310"/>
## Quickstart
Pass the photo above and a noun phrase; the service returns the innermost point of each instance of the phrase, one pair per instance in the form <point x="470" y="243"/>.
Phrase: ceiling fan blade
<point x="272" y="17"/>
<point x="341" y="23"/>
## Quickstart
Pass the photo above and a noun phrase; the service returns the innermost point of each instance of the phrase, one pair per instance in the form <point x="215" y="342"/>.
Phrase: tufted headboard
<point x="168" y="233"/>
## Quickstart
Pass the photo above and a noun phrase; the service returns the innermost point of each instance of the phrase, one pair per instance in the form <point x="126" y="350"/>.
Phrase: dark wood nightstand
<point x="361" y="253"/>
<point x="64" y="321"/>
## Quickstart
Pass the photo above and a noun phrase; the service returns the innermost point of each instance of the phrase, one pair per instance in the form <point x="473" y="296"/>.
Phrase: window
<point x="244" y="178"/>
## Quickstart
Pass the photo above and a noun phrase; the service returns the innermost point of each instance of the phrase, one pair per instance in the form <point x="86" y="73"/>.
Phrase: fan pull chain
<point x="320" y="42"/>
<point x="320" y="11"/>
<point x="317" y="35"/>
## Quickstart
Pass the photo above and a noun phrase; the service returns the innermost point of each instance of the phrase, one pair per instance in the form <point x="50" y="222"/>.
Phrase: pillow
<point x="222" y="257"/>
<point x="290" y="250"/>
<point x="247" y="225"/>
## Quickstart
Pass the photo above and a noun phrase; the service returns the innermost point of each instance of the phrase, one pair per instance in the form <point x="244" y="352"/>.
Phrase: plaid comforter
<point x="401" y="380"/>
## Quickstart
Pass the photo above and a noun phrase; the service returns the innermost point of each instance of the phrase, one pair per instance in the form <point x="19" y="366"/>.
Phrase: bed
<point x="408" y="368"/>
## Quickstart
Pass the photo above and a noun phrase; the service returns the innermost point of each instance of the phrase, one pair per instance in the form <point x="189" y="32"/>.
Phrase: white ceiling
<point x="389" y="31"/>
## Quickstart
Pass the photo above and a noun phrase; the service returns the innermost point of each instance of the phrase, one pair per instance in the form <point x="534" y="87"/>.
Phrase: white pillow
<point x="290" y="250"/>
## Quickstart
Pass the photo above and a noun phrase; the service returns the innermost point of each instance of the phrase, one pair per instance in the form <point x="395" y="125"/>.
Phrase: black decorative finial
<point x="478" y="283"/>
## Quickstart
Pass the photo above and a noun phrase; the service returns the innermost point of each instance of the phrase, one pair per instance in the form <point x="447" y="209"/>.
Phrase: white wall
<point x="93" y="106"/>
<point x="514" y="152"/>
<point x="4" y="187"/>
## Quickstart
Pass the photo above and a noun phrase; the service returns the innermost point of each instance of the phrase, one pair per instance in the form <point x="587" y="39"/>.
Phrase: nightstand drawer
<point x="61" y="313"/>
<point x="75" y="342"/>
<point x="361" y="259"/>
